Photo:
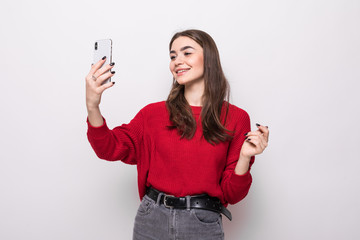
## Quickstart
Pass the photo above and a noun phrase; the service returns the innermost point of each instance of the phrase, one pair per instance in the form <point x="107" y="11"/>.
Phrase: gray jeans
<point x="156" y="222"/>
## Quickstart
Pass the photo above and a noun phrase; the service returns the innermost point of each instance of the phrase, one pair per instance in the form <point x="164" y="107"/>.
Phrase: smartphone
<point x="103" y="48"/>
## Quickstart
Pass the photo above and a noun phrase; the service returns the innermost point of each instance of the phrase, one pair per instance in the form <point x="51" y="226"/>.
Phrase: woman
<point x="193" y="151"/>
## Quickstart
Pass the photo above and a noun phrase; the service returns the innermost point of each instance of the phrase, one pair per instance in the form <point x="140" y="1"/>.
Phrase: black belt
<point x="203" y="201"/>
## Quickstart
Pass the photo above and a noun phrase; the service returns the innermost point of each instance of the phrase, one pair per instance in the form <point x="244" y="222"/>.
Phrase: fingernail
<point x="112" y="64"/>
<point x="258" y="125"/>
<point x="112" y="72"/>
<point x="246" y="138"/>
<point x="266" y="126"/>
<point x="103" y="57"/>
<point x="113" y="83"/>
<point x="245" y="134"/>
<point x="92" y="64"/>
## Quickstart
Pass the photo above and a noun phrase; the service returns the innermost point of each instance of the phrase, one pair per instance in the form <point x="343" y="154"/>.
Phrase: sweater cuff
<point x="241" y="180"/>
<point x="97" y="132"/>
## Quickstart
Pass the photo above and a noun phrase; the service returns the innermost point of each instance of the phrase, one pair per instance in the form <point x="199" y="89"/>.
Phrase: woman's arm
<point x="121" y="143"/>
<point x="94" y="90"/>
<point x="236" y="180"/>
<point x="242" y="165"/>
<point x="94" y="116"/>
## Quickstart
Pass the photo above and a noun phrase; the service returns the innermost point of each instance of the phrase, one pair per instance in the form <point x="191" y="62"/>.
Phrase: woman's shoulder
<point x="155" y="107"/>
<point x="237" y="116"/>
<point x="235" y="110"/>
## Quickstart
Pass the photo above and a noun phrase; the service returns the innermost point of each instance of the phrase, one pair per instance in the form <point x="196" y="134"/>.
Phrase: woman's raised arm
<point x="94" y="89"/>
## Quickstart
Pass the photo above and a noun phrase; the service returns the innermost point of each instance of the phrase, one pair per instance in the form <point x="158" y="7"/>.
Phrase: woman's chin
<point x="181" y="81"/>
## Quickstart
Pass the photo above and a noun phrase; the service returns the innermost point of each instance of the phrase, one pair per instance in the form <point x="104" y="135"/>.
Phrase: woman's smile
<point x="187" y="61"/>
<point x="182" y="71"/>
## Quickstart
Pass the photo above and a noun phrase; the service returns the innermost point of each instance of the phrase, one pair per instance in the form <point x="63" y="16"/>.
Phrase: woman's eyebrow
<point x="182" y="49"/>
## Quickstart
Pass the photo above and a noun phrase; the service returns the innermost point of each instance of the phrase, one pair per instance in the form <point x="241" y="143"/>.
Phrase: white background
<point x="292" y="65"/>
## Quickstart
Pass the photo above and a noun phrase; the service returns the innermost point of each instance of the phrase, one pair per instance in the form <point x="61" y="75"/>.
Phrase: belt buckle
<point x="165" y="197"/>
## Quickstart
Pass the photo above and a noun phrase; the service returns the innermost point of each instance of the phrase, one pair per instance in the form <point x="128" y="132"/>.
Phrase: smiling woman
<point x="202" y="84"/>
<point x="193" y="151"/>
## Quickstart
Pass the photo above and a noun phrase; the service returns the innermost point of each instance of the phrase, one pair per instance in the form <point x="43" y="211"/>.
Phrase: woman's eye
<point x="172" y="57"/>
<point x="187" y="53"/>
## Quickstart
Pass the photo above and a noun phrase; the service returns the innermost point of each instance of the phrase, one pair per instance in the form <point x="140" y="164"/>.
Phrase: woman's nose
<point x="178" y="60"/>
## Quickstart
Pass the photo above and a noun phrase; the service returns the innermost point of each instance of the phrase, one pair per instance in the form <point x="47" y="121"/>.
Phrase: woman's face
<point x="187" y="61"/>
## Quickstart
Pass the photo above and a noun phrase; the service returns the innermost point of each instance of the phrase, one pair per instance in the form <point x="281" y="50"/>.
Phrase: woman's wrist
<point x="91" y="108"/>
<point x="94" y="117"/>
<point x="244" y="158"/>
<point x="242" y="165"/>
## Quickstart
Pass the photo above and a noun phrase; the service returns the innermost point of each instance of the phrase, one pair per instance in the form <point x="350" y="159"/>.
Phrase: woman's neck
<point x="194" y="92"/>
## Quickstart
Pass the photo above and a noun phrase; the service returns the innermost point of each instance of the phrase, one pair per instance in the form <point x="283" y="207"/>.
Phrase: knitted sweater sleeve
<point x="121" y="143"/>
<point x="236" y="187"/>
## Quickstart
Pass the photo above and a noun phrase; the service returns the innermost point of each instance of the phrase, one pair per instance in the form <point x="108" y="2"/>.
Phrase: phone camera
<point x="96" y="45"/>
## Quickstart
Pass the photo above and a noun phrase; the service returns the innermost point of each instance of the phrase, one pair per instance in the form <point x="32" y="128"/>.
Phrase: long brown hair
<point x="216" y="90"/>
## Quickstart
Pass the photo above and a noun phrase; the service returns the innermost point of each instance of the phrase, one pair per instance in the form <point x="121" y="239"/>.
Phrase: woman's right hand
<point x="97" y="75"/>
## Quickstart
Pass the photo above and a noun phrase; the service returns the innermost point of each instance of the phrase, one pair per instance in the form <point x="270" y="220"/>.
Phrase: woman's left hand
<point x="255" y="142"/>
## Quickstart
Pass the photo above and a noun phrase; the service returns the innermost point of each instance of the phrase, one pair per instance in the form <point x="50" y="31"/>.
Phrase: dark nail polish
<point x="258" y="125"/>
<point x="113" y="83"/>
<point x="103" y="57"/>
<point x="245" y="134"/>
<point x="267" y="126"/>
<point x="246" y="138"/>
<point x="112" y="72"/>
<point x="112" y="64"/>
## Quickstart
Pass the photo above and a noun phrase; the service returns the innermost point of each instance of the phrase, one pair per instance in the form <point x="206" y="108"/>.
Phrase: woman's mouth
<point x="181" y="72"/>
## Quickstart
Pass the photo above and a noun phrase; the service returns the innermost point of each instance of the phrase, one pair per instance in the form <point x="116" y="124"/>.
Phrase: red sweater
<point x="177" y="166"/>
